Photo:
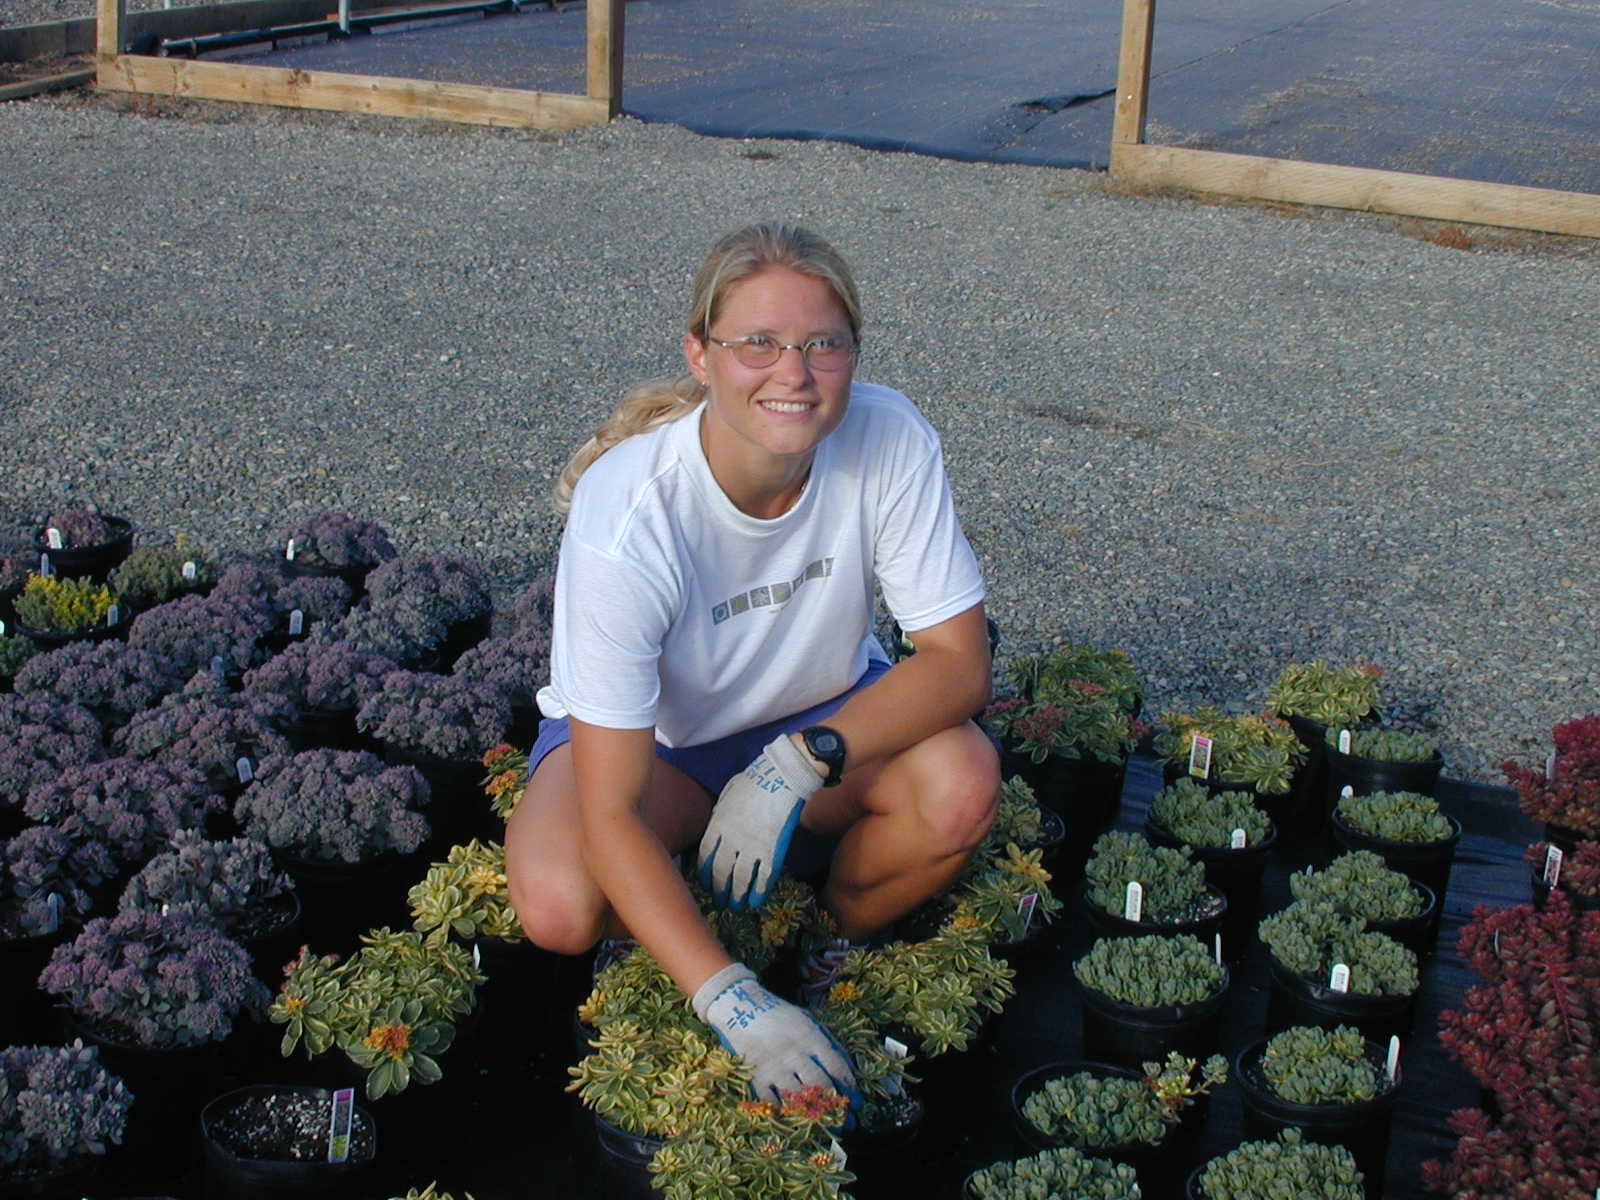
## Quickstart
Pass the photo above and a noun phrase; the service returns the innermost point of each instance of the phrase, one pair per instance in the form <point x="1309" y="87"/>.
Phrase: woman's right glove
<point x="783" y="1045"/>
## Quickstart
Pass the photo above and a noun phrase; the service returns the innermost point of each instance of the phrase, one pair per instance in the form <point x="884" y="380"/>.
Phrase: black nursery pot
<point x="230" y="1176"/>
<point x="1417" y="932"/>
<point x="625" y="1160"/>
<point x="90" y="562"/>
<point x="1426" y="863"/>
<point x="1541" y="895"/>
<point x="1237" y="874"/>
<point x="1206" y="927"/>
<point x="1132" y="1035"/>
<point x="1367" y="775"/>
<point x="1297" y="1000"/>
<point x="1144" y="1157"/>
<point x="1362" y="1127"/>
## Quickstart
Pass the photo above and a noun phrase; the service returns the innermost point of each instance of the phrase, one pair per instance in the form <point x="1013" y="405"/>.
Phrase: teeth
<point x="784" y="406"/>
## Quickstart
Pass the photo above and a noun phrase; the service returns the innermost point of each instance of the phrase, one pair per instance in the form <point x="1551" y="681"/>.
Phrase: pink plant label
<point x="52" y="538"/>
<point x="1552" y="865"/>
<point x="1339" y="978"/>
<point x="1238" y="839"/>
<point x="344" y="1103"/>
<point x="1025" y="908"/>
<point x="1133" y="904"/>
<point x="1200" y="756"/>
<point x="190" y="571"/>
<point x="288" y="551"/>
<point x="297" y="623"/>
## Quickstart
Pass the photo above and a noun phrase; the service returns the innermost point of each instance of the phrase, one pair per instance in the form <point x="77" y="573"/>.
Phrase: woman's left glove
<point x="754" y="818"/>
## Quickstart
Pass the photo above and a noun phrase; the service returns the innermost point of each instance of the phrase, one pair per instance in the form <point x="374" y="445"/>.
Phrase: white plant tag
<point x="1339" y="978"/>
<point x="1347" y="792"/>
<point x="190" y="571"/>
<point x="1552" y="865"/>
<point x="1344" y="741"/>
<point x="165" y="907"/>
<point x="297" y="623"/>
<point x="52" y="908"/>
<point x="1025" y="908"/>
<point x="344" y="1103"/>
<point x="45" y="569"/>
<point x="2" y="629"/>
<point x="112" y="614"/>
<point x="246" y="770"/>
<point x="1391" y="1066"/>
<point x="52" y="538"/>
<point x="477" y="957"/>
<point x="839" y="1156"/>
<point x="1550" y="768"/>
<point x="896" y="1050"/>
<point x="288" y="551"/>
<point x="218" y="667"/>
<point x="1217" y="947"/>
<point x="1238" y="839"/>
<point x="1133" y="906"/>
<point x="1200" y="756"/>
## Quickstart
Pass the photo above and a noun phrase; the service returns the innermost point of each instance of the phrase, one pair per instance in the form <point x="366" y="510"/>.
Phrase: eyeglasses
<point x="758" y="351"/>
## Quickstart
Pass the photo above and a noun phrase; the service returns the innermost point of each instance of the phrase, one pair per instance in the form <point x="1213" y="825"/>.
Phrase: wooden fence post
<point x="108" y="29"/>
<point x="605" y="23"/>
<point x="1133" y="74"/>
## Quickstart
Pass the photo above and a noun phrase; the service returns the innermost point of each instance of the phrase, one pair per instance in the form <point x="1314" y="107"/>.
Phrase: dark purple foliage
<point x="39" y="736"/>
<point x="403" y="636"/>
<point x="330" y="805"/>
<point x="206" y="728"/>
<point x="16" y="564"/>
<point x="57" y="1103"/>
<point x="226" y="878"/>
<point x="131" y="807"/>
<point x="535" y="608"/>
<point x="156" y="980"/>
<point x="312" y="677"/>
<point x="195" y="631"/>
<point x="43" y="860"/>
<point x="109" y="677"/>
<point x="439" y="715"/>
<point x="319" y="597"/>
<point x="81" y="527"/>
<point x="516" y="666"/>
<point x="432" y="588"/>
<point x="336" y="539"/>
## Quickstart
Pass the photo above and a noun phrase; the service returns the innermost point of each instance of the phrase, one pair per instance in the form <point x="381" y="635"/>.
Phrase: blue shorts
<point x="712" y="764"/>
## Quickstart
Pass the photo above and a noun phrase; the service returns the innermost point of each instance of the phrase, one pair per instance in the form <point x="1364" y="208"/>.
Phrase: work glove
<point x="784" y="1045"/>
<point x="756" y="815"/>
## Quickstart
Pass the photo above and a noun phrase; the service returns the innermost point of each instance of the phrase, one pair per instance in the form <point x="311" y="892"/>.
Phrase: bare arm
<point x="628" y="861"/>
<point x="939" y="687"/>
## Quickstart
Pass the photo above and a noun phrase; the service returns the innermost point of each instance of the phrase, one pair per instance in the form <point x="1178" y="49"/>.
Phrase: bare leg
<point x="908" y="825"/>
<point x="555" y="896"/>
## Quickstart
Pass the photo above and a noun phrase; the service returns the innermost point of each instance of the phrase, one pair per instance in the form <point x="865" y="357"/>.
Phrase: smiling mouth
<point x="786" y="406"/>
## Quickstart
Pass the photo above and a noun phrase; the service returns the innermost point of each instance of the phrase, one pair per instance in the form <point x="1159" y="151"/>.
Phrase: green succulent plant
<point x="1151" y="971"/>
<point x="466" y="896"/>
<point x="1325" y="693"/>
<point x="1310" y="936"/>
<point x="1311" y="1065"/>
<point x="53" y="604"/>
<point x="1018" y="817"/>
<point x="1092" y="1111"/>
<point x="430" y="1193"/>
<point x="1192" y="814"/>
<point x="1174" y="882"/>
<point x="1257" y="749"/>
<point x="1059" y="1172"/>
<point x="1361" y="885"/>
<point x="1062" y="670"/>
<point x="15" y="650"/>
<point x="1385" y="745"/>
<point x="154" y="574"/>
<point x="1396" y="816"/>
<point x="1289" y="1166"/>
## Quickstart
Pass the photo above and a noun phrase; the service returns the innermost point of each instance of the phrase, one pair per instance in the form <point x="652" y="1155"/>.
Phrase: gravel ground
<point x="1220" y="438"/>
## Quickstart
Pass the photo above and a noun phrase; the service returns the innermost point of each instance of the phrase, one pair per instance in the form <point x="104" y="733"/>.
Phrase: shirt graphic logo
<point x="771" y="596"/>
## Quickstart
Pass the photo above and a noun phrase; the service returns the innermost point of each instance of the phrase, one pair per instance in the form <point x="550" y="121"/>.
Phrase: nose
<point x="792" y="363"/>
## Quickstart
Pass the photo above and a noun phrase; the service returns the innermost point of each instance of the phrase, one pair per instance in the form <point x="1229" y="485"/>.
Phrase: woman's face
<point x="780" y="412"/>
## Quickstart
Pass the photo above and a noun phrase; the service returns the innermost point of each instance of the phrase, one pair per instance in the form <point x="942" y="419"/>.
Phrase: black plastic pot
<point x="1237" y="874"/>
<point x="625" y="1159"/>
<point x="27" y="1012"/>
<point x="1132" y="1035"/>
<point x="90" y="562"/>
<point x="1418" y="932"/>
<point x="1145" y="1158"/>
<point x="340" y="900"/>
<point x="68" y="1180"/>
<point x="1367" y="775"/>
<point x="458" y="810"/>
<point x="1427" y="863"/>
<point x="1361" y="1127"/>
<point x="1296" y="810"/>
<point x="1541" y="894"/>
<point x="231" y="1177"/>
<point x="1297" y="1000"/>
<point x="326" y="729"/>
<point x="1104" y="924"/>
<point x="1086" y="793"/>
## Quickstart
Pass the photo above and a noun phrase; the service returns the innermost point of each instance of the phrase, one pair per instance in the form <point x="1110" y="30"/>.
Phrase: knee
<point x="961" y="808"/>
<point x="551" y="917"/>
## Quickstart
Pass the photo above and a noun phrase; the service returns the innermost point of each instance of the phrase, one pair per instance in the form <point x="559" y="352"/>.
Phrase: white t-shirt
<point x="675" y="609"/>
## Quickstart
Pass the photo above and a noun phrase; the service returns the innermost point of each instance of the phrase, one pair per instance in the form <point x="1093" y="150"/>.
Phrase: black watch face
<point x="826" y="742"/>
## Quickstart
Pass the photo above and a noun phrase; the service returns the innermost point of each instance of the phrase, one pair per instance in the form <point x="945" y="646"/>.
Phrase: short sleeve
<point x="923" y="561"/>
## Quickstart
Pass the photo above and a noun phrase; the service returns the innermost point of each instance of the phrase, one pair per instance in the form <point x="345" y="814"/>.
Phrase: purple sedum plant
<point x="535" y="607"/>
<point x="110" y="677"/>
<point x="431" y="589"/>
<point x="156" y="980"/>
<point x="57" y="1104"/>
<point x="442" y="716"/>
<point x="401" y="635"/>
<point x="130" y="807"/>
<point x="318" y="597"/>
<point x="228" y="878"/>
<point x="516" y="666"/>
<point x="17" y="562"/>
<point x="336" y="539"/>
<point x="39" y="737"/>
<point x="335" y="806"/>
<point x="196" y="631"/>
<point x="81" y="527"/>
<point x="207" y="728"/>
<point x="42" y="861"/>
<point x="321" y="678"/>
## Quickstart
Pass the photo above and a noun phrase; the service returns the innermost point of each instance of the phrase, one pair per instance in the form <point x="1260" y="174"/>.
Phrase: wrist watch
<point x="827" y="747"/>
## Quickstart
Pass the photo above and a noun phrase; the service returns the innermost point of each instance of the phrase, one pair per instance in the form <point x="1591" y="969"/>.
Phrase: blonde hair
<point x="735" y="258"/>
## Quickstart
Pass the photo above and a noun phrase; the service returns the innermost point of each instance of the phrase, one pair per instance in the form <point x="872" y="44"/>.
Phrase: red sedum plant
<point x="1526" y="1033"/>
<point x="1569" y="797"/>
